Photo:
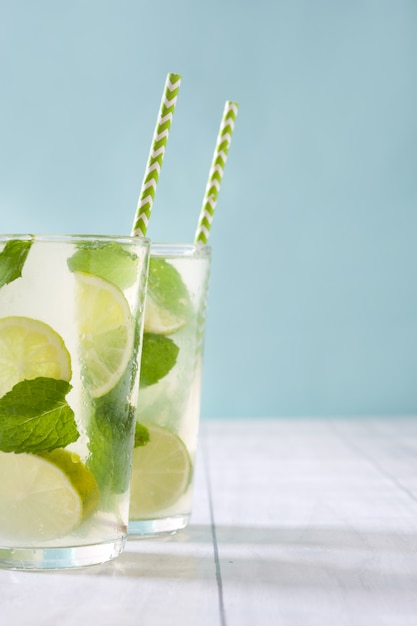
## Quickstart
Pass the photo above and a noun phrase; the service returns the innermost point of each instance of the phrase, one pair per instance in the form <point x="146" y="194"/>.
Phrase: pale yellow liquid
<point x="174" y="401"/>
<point x="46" y="292"/>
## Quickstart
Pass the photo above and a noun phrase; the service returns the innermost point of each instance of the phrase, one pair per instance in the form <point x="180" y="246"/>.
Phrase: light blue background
<point x="313" y="303"/>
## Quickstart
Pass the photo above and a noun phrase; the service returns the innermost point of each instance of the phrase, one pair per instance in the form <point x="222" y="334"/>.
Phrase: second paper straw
<point x="156" y="155"/>
<point x="216" y="172"/>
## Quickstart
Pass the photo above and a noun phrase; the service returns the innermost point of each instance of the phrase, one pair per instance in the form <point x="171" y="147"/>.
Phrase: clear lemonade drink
<point x="170" y="388"/>
<point x="71" y="314"/>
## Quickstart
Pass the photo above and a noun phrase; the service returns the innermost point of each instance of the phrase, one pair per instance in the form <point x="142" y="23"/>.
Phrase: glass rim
<point x="169" y="249"/>
<point x="66" y="238"/>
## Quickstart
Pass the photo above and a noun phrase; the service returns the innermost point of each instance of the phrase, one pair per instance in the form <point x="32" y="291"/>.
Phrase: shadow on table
<point x="324" y="537"/>
<point x="287" y="557"/>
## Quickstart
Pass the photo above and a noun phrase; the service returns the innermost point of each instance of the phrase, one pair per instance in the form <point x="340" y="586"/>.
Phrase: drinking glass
<point x="168" y="411"/>
<point x="71" y="315"/>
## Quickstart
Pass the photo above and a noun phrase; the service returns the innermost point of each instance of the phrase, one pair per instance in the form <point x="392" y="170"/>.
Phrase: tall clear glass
<point x="170" y="388"/>
<point x="71" y="321"/>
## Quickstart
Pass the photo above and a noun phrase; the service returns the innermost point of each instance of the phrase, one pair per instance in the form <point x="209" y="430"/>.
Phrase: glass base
<point x="60" y="558"/>
<point x="157" y="527"/>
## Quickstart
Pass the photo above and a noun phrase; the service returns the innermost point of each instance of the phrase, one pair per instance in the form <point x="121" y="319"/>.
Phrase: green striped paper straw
<point x="156" y="155"/>
<point x="216" y="171"/>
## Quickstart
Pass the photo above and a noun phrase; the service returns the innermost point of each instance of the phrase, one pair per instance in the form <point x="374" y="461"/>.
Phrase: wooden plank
<point x="309" y="530"/>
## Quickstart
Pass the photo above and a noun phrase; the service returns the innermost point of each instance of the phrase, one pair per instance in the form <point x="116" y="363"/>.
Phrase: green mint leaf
<point x="159" y="355"/>
<point x="141" y="435"/>
<point x="110" y="438"/>
<point x="108" y="260"/>
<point x="35" y="417"/>
<point x="12" y="260"/>
<point x="167" y="289"/>
<point x="110" y="432"/>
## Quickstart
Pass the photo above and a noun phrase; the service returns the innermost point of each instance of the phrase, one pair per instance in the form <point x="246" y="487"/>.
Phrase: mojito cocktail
<point x="170" y="389"/>
<point x="71" y="314"/>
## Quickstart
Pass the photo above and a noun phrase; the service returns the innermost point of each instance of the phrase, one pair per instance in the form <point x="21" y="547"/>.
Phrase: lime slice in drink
<point x="105" y="330"/>
<point x="161" y="473"/>
<point x="167" y="300"/>
<point x="44" y="497"/>
<point x="30" y="348"/>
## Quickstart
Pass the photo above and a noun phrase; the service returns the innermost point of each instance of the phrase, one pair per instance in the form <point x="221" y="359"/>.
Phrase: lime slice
<point x="159" y="320"/>
<point x="29" y="349"/>
<point x="167" y="300"/>
<point x="44" y="497"/>
<point x="161" y="473"/>
<point x="106" y="332"/>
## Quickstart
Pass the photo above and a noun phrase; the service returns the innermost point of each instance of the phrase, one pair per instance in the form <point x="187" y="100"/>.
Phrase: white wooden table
<point x="296" y="522"/>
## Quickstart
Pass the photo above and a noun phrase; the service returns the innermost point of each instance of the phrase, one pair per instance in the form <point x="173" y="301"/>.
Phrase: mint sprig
<point x="12" y="260"/>
<point x="35" y="417"/>
<point x="159" y="355"/>
<point x="108" y="260"/>
<point x="142" y="435"/>
<point x="167" y="289"/>
<point x="110" y="432"/>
